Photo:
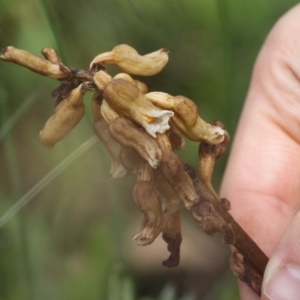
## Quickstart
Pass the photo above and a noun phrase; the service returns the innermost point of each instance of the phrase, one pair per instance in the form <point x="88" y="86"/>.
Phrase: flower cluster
<point x="141" y="131"/>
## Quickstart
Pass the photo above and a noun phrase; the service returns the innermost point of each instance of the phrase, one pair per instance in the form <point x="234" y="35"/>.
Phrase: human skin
<point x="262" y="179"/>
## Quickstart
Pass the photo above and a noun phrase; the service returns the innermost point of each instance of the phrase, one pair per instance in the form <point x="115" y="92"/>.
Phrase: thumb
<point x="282" y="276"/>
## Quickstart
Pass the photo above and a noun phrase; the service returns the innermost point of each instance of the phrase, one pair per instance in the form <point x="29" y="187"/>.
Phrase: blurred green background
<point x="72" y="239"/>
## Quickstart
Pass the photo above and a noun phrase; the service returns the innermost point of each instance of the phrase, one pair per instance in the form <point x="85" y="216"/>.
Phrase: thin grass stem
<point x="46" y="180"/>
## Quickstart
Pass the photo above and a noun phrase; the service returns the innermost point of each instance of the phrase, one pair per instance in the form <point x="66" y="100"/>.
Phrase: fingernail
<point x="283" y="284"/>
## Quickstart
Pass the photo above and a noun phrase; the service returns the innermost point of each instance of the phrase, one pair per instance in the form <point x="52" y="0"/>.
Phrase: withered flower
<point x="187" y="119"/>
<point x="67" y="115"/>
<point x="146" y="199"/>
<point x="173" y="170"/>
<point x="129" y="61"/>
<point x="101" y="128"/>
<point x="129" y="135"/>
<point x="34" y="63"/>
<point x="128" y="100"/>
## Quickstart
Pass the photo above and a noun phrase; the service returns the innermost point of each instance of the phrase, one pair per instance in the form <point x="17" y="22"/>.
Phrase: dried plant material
<point x="128" y="100"/>
<point x="67" y="115"/>
<point x="187" y="119"/>
<point x="207" y="217"/>
<point x="131" y="160"/>
<point x="102" y="79"/>
<point x="147" y="201"/>
<point x="34" y="63"/>
<point x="51" y="55"/>
<point x="108" y="113"/>
<point x="129" y="61"/>
<point x="175" y="137"/>
<point x="173" y="170"/>
<point x="208" y="154"/>
<point x="171" y="234"/>
<point x="244" y="271"/>
<point x="139" y="84"/>
<point x="141" y="131"/>
<point x="101" y="128"/>
<point x="129" y="135"/>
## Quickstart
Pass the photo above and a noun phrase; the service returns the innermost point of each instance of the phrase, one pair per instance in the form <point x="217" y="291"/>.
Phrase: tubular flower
<point x="131" y="102"/>
<point x="34" y="63"/>
<point x="67" y="115"/>
<point x="129" y="61"/>
<point x="187" y="119"/>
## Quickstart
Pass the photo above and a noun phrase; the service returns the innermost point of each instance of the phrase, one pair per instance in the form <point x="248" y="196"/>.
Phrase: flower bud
<point x="34" y="63"/>
<point x="67" y="115"/>
<point x="187" y="119"/>
<point x="130" y="101"/>
<point x="146" y="199"/>
<point x="101" y="128"/>
<point x="128" y="60"/>
<point x="102" y="79"/>
<point x="129" y="135"/>
<point x="51" y="55"/>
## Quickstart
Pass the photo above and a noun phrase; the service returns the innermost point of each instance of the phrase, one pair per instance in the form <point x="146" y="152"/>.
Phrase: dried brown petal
<point x="146" y="199"/>
<point x="34" y="63"/>
<point x="129" y="135"/>
<point x="128" y="100"/>
<point x="172" y="236"/>
<point x="128" y="60"/>
<point x="173" y="170"/>
<point x="175" y="137"/>
<point x="187" y="119"/>
<point x="101" y="128"/>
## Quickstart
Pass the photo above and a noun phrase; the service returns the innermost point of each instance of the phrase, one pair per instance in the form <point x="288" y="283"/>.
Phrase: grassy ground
<point x="65" y="228"/>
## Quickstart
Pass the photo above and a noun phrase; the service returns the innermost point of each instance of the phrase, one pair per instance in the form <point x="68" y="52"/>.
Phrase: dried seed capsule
<point x="34" y="63"/>
<point x="67" y="115"/>
<point x="129" y="135"/>
<point x="128" y="100"/>
<point x="102" y="79"/>
<point x="146" y="199"/>
<point x="128" y="60"/>
<point x="51" y="55"/>
<point x="187" y="119"/>
<point x="101" y="128"/>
